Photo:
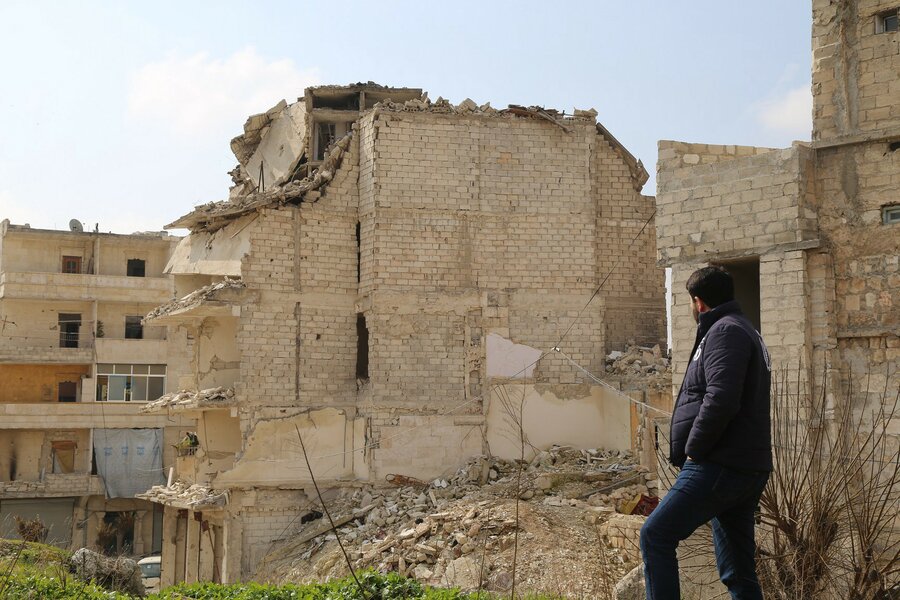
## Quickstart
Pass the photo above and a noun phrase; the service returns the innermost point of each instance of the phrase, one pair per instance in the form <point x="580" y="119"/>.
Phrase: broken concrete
<point x="186" y="400"/>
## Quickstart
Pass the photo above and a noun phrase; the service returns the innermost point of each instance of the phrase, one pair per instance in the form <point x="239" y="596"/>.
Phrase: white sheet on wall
<point x="129" y="460"/>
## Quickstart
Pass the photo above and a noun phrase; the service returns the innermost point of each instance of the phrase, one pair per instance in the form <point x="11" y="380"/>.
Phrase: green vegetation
<point x="37" y="571"/>
<point x="382" y="587"/>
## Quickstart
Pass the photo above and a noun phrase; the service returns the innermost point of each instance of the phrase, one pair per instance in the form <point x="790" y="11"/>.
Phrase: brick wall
<point x="855" y="84"/>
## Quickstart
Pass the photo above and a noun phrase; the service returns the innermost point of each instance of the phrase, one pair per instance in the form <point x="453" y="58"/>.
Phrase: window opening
<point x="63" y="454"/>
<point x="130" y="383"/>
<point x="890" y="215"/>
<point x="67" y="391"/>
<point x="362" y="348"/>
<point x="745" y="273"/>
<point x="325" y="134"/>
<point x="358" y="253"/>
<point x="135" y="267"/>
<point x="69" y="325"/>
<point x="887" y="21"/>
<point x="134" y="330"/>
<point x="71" y="264"/>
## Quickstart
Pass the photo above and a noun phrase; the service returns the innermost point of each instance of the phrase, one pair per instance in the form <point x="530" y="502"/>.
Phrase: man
<point x="721" y="440"/>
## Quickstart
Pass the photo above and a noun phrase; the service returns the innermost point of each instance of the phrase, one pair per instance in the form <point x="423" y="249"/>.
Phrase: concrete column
<point x="138" y="536"/>
<point x="169" y="538"/>
<point x="192" y="554"/>
<point x="207" y="555"/>
<point x="233" y="532"/>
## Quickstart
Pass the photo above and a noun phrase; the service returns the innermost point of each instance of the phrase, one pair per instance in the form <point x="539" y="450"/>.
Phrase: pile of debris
<point x="182" y="494"/>
<point x="645" y="363"/>
<point x="465" y="531"/>
<point x="470" y="107"/>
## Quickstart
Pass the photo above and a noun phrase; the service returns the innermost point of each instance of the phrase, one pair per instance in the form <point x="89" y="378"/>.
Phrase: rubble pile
<point x="470" y="107"/>
<point x="182" y="494"/>
<point x="647" y="363"/>
<point x="461" y="531"/>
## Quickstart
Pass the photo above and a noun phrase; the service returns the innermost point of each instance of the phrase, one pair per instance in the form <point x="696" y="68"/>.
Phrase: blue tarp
<point x="129" y="460"/>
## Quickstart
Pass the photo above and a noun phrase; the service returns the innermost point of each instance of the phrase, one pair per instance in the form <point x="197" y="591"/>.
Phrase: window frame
<point x="890" y="214"/>
<point x="882" y="18"/>
<point x="77" y="261"/>
<point x="130" y="378"/>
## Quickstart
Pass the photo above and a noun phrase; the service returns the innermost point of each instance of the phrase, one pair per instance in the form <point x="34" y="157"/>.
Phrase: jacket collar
<point x="709" y="318"/>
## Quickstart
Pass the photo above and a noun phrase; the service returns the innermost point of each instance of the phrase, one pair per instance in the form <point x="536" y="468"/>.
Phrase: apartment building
<point x="76" y="364"/>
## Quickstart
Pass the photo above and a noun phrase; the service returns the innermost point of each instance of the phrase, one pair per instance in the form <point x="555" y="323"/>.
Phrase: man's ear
<point x="701" y="305"/>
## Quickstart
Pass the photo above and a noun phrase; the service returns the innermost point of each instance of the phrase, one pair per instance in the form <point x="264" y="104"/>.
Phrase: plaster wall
<point x="37" y="383"/>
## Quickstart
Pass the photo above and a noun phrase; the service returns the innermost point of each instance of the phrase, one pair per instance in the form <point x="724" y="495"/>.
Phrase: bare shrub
<point x="31" y="530"/>
<point x="828" y="516"/>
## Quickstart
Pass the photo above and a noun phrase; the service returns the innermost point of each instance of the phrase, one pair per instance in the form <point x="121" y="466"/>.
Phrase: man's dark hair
<point x="711" y="284"/>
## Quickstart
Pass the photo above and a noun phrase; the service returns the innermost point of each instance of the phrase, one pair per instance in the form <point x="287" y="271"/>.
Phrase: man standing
<point x="721" y="440"/>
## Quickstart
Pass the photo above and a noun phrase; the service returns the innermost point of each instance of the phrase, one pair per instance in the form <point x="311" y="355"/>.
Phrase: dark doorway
<point x="135" y="267"/>
<point x="745" y="272"/>
<point x="69" y="325"/>
<point x="67" y="391"/>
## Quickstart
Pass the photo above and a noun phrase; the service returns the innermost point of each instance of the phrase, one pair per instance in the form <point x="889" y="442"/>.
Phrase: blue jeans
<point x="705" y="491"/>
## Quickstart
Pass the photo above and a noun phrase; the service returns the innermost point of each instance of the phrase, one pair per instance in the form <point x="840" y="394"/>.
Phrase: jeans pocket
<point x="732" y="485"/>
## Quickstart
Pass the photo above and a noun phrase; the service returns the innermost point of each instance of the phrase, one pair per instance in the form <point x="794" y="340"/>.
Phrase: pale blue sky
<point x="121" y="112"/>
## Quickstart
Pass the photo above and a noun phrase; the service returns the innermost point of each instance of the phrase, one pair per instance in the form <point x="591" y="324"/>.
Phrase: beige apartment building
<point x="390" y="278"/>
<point x="76" y="365"/>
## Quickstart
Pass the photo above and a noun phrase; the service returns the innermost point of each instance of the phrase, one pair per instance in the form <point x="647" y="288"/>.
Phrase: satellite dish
<point x="75" y="225"/>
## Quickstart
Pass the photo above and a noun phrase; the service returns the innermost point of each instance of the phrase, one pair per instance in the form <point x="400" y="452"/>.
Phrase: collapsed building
<point x="393" y="286"/>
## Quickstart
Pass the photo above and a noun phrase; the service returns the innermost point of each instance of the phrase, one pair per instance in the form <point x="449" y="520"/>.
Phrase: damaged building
<point x="392" y="280"/>
<point x="811" y="233"/>
<point x="76" y="365"/>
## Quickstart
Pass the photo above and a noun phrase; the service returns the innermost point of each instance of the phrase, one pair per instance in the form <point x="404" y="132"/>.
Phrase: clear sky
<point x="120" y="113"/>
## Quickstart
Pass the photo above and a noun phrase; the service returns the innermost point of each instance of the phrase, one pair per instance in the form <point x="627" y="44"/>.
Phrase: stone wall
<point x="855" y="84"/>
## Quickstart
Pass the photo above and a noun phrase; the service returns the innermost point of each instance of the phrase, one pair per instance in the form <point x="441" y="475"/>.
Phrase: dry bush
<point x="828" y="516"/>
<point x="32" y="530"/>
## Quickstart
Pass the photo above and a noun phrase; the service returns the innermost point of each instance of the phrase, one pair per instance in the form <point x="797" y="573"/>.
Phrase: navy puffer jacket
<point x="722" y="411"/>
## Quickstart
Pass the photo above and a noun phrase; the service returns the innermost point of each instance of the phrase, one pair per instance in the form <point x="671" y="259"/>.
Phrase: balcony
<point x="144" y="351"/>
<point x="42" y="350"/>
<point x="54" y="485"/>
<point x="84" y="415"/>
<point x="84" y="287"/>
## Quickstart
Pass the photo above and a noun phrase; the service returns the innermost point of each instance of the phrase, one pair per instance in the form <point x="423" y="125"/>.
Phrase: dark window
<point x="71" y="264"/>
<point x="68" y="391"/>
<point x="135" y="267"/>
<point x="133" y="328"/>
<point x="362" y="348"/>
<point x="887" y="21"/>
<point x="69" y="324"/>
<point x="890" y="215"/>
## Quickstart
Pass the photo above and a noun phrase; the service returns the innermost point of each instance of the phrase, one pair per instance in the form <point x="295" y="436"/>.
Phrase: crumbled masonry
<point x="438" y="533"/>
<point x="195" y="298"/>
<point x="192" y="399"/>
<point x="182" y="494"/>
